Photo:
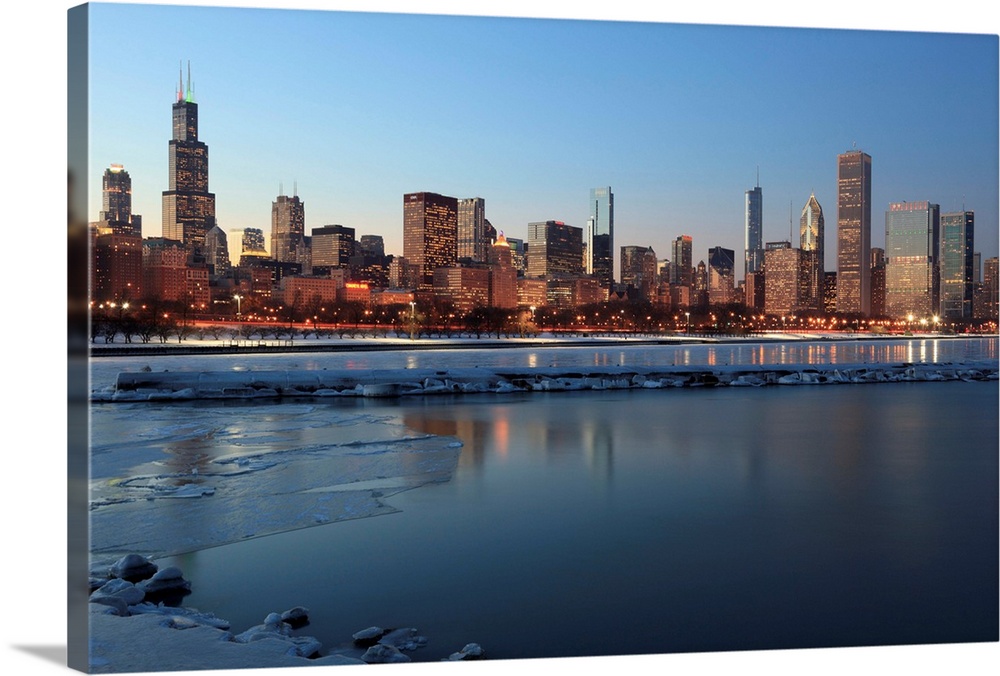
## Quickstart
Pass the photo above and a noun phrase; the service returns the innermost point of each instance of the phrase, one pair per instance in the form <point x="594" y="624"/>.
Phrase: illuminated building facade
<point x="811" y="238"/>
<point x="639" y="269"/>
<point x="430" y="233"/>
<point x="878" y="282"/>
<point x="188" y="206"/>
<point x="503" y="275"/>
<point x="721" y="276"/>
<point x="554" y="250"/>
<point x="116" y="197"/>
<point x="854" y="230"/>
<point x="473" y="242"/>
<point x="216" y="251"/>
<point x="753" y="220"/>
<point x="912" y="230"/>
<point x="288" y="228"/>
<point x="787" y="272"/>
<point x="957" y="264"/>
<point x="681" y="272"/>
<point x="332" y="246"/>
<point x="466" y="288"/>
<point x="600" y="236"/>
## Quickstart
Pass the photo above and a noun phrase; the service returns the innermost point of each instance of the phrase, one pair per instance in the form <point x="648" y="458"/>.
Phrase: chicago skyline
<point x="536" y="173"/>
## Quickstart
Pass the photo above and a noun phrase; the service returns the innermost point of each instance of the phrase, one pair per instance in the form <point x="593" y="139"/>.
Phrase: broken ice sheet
<point x="172" y="478"/>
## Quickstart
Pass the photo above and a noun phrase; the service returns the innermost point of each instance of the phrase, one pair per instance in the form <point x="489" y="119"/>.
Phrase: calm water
<point x="661" y="521"/>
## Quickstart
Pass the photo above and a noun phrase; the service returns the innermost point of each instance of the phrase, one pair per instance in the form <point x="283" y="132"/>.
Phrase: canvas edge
<point x="78" y="278"/>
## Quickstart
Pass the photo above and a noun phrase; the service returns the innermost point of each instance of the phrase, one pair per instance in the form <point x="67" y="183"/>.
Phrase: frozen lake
<point x="577" y="523"/>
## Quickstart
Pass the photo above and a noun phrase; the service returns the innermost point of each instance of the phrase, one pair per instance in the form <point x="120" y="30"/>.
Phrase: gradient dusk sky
<point x="355" y="109"/>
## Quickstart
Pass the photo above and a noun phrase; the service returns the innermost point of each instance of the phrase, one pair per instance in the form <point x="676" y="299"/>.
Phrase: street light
<point x="413" y="317"/>
<point x="238" y="298"/>
<point x="687" y="315"/>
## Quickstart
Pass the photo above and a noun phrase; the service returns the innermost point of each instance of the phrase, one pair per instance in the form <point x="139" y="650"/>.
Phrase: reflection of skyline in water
<point x="845" y="352"/>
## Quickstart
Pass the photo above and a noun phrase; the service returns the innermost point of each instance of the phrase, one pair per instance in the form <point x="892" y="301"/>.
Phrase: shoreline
<point x="195" y="346"/>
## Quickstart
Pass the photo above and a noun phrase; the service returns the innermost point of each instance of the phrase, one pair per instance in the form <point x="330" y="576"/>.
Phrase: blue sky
<point x="356" y="109"/>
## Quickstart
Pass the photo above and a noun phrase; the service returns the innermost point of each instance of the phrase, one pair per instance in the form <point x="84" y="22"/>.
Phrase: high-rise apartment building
<point x="188" y="206"/>
<point x="600" y="236"/>
<point x="911" y="248"/>
<point x="288" y="228"/>
<point x="430" y="233"/>
<point x="473" y="242"/>
<point x="811" y="238"/>
<point x="753" y="231"/>
<point x="216" y="251"/>
<point x="854" y="230"/>
<point x="554" y="250"/>
<point x="681" y="271"/>
<point x="721" y="276"/>
<point x="956" y="264"/>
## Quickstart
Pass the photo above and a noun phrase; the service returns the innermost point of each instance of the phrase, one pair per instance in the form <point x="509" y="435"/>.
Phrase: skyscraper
<point x="911" y="246"/>
<point x="430" y="233"/>
<point x="188" y="206"/>
<point x="854" y="232"/>
<point x="754" y="230"/>
<point x="787" y="287"/>
<point x="638" y="269"/>
<point x="721" y="275"/>
<point x="332" y="246"/>
<point x="117" y="202"/>
<point x="472" y="240"/>
<point x="681" y="271"/>
<point x="956" y="264"/>
<point x="811" y="238"/>
<point x="554" y="250"/>
<point x="600" y="237"/>
<point x="288" y="227"/>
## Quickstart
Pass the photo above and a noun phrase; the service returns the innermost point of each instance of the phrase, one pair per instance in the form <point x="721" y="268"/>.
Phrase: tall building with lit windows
<point x="854" y="232"/>
<point x="188" y="206"/>
<point x="912" y="230"/>
<point x="288" y="228"/>
<point x="811" y="236"/>
<point x="555" y="249"/>
<point x="753" y="217"/>
<point x="600" y="236"/>
<point x="116" y="207"/>
<point x="473" y="241"/>
<point x="681" y="272"/>
<point x="430" y="233"/>
<point x="956" y="263"/>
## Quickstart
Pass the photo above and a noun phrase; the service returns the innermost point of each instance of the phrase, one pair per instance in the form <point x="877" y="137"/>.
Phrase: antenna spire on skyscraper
<point x="180" y="81"/>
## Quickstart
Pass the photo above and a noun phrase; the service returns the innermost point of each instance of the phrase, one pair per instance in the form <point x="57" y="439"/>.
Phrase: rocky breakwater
<point x="180" y="385"/>
<point x="137" y="624"/>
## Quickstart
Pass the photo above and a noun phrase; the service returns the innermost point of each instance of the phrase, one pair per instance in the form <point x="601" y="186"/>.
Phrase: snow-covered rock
<point x="368" y="637"/>
<point x="384" y="654"/>
<point x="471" y="651"/>
<point x="119" y="589"/>
<point x="296" y="617"/>
<point x="134" y="568"/>
<point x="168" y="579"/>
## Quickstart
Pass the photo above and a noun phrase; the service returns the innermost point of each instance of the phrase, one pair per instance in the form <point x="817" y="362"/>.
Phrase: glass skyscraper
<point x="911" y="245"/>
<point x="188" y="206"/>
<point x="956" y="264"/>
<point x="288" y="227"/>
<point x="754" y="231"/>
<point x="601" y="236"/>
<point x="854" y="232"/>
<point x="430" y="233"/>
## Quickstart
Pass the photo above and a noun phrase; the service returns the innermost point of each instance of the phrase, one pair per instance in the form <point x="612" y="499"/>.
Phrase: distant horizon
<point x="500" y="108"/>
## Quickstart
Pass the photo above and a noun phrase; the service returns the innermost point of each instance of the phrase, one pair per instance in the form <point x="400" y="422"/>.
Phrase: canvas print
<point x="423" y="338"/>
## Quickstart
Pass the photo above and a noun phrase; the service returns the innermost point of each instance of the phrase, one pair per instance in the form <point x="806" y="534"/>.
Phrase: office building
<point x="811" y="238"/>
<point x="681" y="272"/>
<point x="911" y="247"/>
<point x="600" y="236"/>
<point x="956" y="263"/>
<point x="116" y="207"/>
<point x="554" y="250"/>
<point x="332" y="246"/>
<point x="721" y="276"/>
<point x="216" y="251"/>
<point x="639" y="270"/>
<point x="188" y="206"/>
<point x="288" y="228"/>
<point x="473" y="242"/>
<point x="430" y="233"/>
<point x="503" y="274"/>
<point x="854" y="225"/>
<point x="878" y="282"/>
<point x="787" y="270"/>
